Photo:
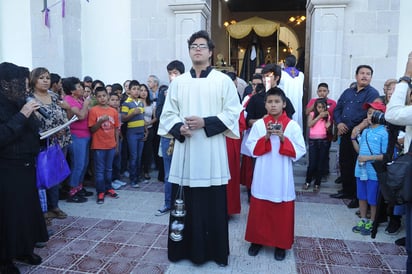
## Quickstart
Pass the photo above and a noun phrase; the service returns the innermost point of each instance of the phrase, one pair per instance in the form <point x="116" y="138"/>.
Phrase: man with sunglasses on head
<point x="256" y="106"/>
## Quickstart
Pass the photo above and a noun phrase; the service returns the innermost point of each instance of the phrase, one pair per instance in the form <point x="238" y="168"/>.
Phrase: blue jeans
<point x="408" y="228"/>
<point x="318" y="160"/>
<point x="117" y="162"/>
<point x="53" y="197"/>
<point x="103" y="164"/>
<point x="167" y="160"/>
<point x="136" y="143"/>
<point x="79" y="157"/>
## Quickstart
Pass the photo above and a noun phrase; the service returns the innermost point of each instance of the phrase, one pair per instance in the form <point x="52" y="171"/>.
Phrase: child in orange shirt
<point x="104" y="125"/>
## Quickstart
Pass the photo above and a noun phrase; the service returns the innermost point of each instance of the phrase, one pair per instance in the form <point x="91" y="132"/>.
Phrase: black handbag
<point x="395" y="178"/>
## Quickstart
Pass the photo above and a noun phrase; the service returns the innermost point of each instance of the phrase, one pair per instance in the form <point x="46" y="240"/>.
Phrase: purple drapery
<point x="46" y="17"/>
<point x="63" y="8"/>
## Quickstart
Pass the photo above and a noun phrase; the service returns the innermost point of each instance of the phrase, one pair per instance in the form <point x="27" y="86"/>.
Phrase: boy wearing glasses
<point x="202" y="107"/>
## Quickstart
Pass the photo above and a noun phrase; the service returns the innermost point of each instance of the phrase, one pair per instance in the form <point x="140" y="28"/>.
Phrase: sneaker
<point x="393" y="227"/>
<point x="121" y="183"/>
<point x="306" y="186"/>
<point x="100" y="198"/>
<point x="338" y="180"/>
<point x="134" y="184"/>
<point x="112" y="193"/>
<point x="358" y="228"/>
<point x="162" y="211"/>
<point x="126" y="174"/>
<point x="76" y="198"/>
<point x="366" y="230"/>
<point x="84" y="193"/>
<point x="115" y="185"/>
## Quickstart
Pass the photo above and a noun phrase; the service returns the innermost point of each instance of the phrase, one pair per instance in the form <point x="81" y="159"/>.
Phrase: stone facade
<point x="119" y="40"/>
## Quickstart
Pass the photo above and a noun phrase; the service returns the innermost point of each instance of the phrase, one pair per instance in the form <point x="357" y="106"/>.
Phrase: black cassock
<point x="249" y="66"/>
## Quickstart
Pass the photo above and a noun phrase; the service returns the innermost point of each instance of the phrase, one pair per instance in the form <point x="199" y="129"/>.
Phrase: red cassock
<point x="271" y="224"/>
<point x="233" y="186"/>
<point x="246" y="171"/>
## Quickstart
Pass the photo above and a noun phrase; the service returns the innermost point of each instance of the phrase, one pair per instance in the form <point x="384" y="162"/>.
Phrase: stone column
<point x="15" y="32"/>
<point x="189" y="18"/>
<point x="325" y="31"/>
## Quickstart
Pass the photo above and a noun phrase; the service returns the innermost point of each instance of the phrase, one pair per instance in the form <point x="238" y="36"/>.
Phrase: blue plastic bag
<point x="51" y="166"/>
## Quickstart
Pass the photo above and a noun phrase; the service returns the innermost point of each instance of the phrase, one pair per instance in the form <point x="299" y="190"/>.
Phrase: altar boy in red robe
<point x="275" y="141"/>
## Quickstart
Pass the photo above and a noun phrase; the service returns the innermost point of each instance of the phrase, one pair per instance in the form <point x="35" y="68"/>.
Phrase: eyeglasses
<point x="200" y="46"/>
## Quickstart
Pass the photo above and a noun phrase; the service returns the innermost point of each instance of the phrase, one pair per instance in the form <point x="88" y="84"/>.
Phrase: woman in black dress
<point x="21" y="219"/>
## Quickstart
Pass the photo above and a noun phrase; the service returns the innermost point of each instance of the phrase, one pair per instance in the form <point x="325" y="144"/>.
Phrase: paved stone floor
<point x="124" y="236"/>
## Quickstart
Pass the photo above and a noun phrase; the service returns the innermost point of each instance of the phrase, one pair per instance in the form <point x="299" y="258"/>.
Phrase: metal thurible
<point x="177" y="216"/>
<point x="177" y="225"/>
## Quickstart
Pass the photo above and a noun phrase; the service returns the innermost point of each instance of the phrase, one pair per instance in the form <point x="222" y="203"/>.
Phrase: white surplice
<point x="201" y="161"/>
<point x="273" y="173"/>
<point x="293" y="88"/>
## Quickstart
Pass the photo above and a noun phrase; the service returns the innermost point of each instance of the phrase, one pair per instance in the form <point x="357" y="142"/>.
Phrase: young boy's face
<point x="114" y="101"/>
<point x="134" y="92"/>
<point x="369" y="115"/>
<point x="274" y="105"/>
<point x="101" y="97"/>
<point x="323" y="92"/>
<point x="173" y="74"/>
<point x="270" y="80"/>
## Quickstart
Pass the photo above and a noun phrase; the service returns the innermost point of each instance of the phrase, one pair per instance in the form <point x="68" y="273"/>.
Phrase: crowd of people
<point x="205" y="138"/>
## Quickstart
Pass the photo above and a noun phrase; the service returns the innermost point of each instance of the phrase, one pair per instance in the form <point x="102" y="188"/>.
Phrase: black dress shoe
<point x="340" y="196"/>
<point x="32" y="259"/>
<point x="354" y="203"/>
<point x="254" y="249"/>
<point x="280" y="254"/>
<point x="401" y="241"/>
<point x="9" y="269"/>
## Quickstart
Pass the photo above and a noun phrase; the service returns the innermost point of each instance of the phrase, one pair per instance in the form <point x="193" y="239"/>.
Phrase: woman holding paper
<point x="49" y="101"/>
<point x="21" y="219"/>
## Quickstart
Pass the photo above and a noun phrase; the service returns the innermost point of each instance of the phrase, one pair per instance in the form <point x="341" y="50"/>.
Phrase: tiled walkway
<point x="124" y="236"/>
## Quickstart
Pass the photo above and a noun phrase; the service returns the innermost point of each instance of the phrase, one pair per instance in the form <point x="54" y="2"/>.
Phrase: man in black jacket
<point x="256" y="106"/>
